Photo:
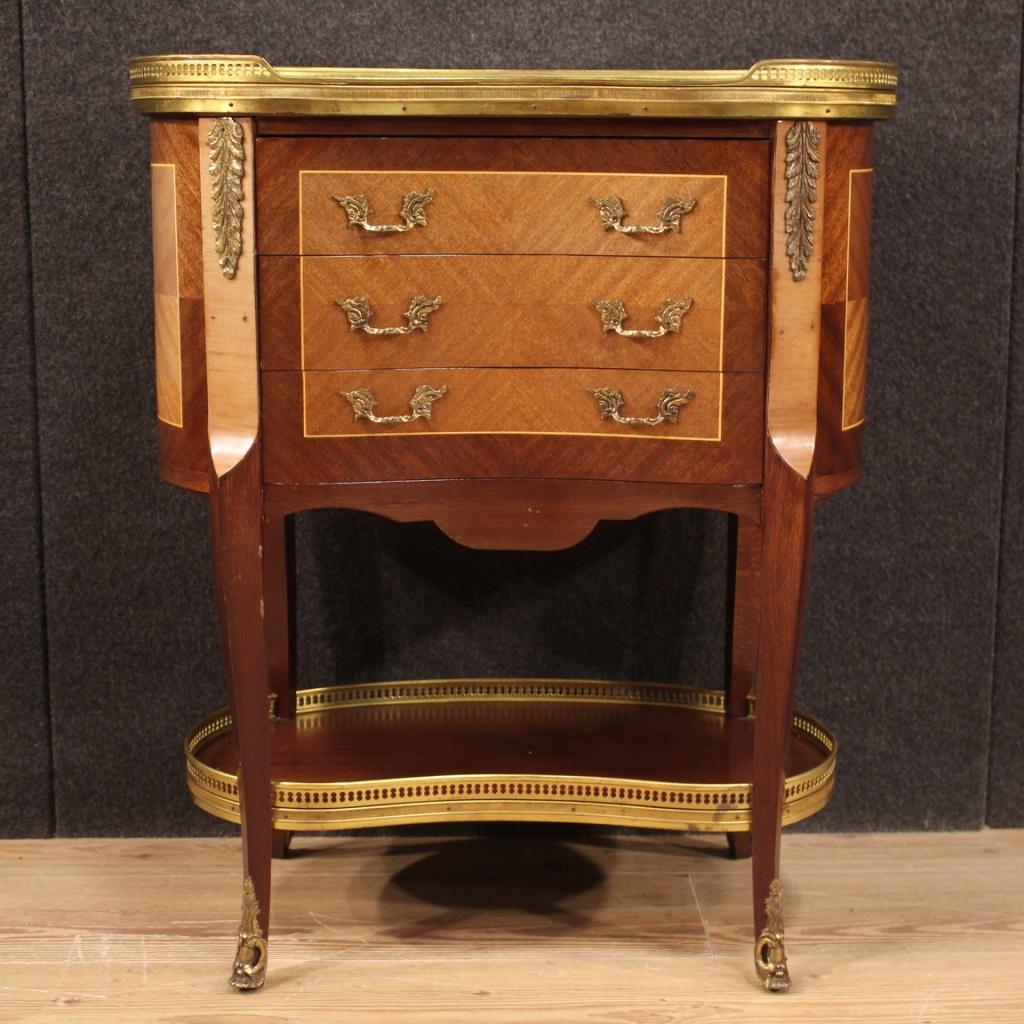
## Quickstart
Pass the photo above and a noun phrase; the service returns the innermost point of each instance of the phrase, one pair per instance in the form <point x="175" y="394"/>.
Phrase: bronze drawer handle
<point x="363" y="403"/>
<point x="610" y="401"/>
<point x="357" y="209"/>
<point x="669" y="216"/>
<point x="359" y="314"/>
<point x="670" y="317"/>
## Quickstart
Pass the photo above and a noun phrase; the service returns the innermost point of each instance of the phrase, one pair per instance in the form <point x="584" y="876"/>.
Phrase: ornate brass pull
<point x="358" y="210"/>
<point x="670" y="317"/>
<point x="359" y="313"/>
<point x="669" y="216"/>
<point x="610" y="401"/>
<point x="421" y="404"/>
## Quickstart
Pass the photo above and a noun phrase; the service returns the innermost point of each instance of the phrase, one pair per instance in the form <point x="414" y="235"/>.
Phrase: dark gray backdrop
<point x="914" y="639"/>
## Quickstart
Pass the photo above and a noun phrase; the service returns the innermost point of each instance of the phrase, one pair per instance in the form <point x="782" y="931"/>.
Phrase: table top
<point x="247" y="85"/>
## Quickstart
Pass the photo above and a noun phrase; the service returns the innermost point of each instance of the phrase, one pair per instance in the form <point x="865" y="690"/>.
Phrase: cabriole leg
<point x="787" y="511"/>
<point x="237" y="521"/>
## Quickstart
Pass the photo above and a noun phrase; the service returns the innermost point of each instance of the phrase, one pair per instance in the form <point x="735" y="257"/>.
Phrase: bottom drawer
<point x="322" y="426"/>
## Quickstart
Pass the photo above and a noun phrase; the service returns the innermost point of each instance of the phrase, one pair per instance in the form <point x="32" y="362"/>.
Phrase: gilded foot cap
<point x="250" y="969"/>
<point x="770" y="947"/>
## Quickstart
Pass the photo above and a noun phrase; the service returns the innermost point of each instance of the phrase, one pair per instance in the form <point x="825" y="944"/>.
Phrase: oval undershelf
<point x="638" y="754"/>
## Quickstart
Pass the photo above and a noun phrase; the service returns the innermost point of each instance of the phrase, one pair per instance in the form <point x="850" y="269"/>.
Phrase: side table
<point x="513" y="304"/>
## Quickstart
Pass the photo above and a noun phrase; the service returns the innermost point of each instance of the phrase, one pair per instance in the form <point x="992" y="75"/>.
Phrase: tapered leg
<point x="279" y="604"/>
<point x="282" y="841"/>
<point x="743" y="621"/>
<point x="787" y="512"/>
<point x="279" y="627"/>
<point x="743" y="612"/>
<point x="237" y="519"/>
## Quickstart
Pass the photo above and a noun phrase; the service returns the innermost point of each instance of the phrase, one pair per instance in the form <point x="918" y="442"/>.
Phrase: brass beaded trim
<point x="502" y="689"/>
<point x="712" y="807"/>
<point x="248" y="84"/>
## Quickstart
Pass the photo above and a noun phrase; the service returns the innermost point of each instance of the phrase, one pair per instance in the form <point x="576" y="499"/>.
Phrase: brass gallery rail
<point x="423" y="751"/>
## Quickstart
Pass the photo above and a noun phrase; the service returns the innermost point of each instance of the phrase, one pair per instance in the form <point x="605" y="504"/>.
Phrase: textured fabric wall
<point x="25" y="803"/>
<point x="899" y="652"/>
<point x="1006" y="754"/>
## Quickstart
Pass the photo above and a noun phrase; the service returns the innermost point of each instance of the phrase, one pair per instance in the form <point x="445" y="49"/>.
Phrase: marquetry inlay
<point x="858" y="265"/>
<point x="166" y="295"/>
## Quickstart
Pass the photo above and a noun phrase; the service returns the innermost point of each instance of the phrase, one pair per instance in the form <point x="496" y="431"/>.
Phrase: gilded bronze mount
<point x="770" y="947"/>
<point x="250" y="968"/>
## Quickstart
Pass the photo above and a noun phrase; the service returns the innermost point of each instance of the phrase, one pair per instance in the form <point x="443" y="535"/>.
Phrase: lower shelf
<point x="646" y="755"/>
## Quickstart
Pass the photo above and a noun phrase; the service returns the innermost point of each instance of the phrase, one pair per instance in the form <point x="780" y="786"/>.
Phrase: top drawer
<point x="513" y="195"/>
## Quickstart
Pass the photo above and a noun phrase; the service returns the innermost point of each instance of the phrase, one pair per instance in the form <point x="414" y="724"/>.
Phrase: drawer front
<point x="516" y="196"/>
<point x="485" y="401"/>
<point x="321" y="426"/>
<point x="512" y="311"/>
<point x="496" y="212"/>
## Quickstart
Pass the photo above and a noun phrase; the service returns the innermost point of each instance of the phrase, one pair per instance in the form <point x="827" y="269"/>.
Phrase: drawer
<point x="516" y="196"/>
<point x="319" y="426"/>
<point x="487" y="401"/>
<point x="511" y="311"/>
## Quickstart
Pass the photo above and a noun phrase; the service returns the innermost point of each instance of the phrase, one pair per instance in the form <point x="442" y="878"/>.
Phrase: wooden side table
<point x="512" y="303"/>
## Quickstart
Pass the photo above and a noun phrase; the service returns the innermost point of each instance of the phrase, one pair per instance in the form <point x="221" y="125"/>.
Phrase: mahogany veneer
<point x="512" y="311"/>
<point x="274" y="397"/>
<point x="521" y="195"/>
<point x="509" y="738"/>
<point x="479" y="439"/>
<point x="510" y="750"/>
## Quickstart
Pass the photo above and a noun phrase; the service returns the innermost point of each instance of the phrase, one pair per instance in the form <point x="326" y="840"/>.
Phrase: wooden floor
<point x="526" y="928"/>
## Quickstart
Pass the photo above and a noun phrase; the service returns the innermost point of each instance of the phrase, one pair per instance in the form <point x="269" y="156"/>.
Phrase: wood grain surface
<point x="237" y="529"/>
<point x="490" y="401"/>
<point x="473" y="737"/>
<point x="537" y="924"/>
<point x="512" y="212"/>
<point x="166" y="293"/>
<point x="743" y="610"/>
<point x="521" y="514"/>
<point x="858" y="267"/>
<point x="184" y="449"/>
<point x="795" y="308"/>
<point x="846" y="237"/>
<point x="537" y="164"/>
<point x="232" y="360"/>
<point x="279" y="621"/>
<point x="786" y="534"/>
<point x="511" y="311"/>
<point x="525" y="401"/>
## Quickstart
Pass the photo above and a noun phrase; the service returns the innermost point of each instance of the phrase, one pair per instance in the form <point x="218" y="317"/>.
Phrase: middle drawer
<point x="328" y="312"/>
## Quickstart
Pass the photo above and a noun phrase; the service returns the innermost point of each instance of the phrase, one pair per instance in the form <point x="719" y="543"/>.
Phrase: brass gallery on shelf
<point x="732" y="212"/>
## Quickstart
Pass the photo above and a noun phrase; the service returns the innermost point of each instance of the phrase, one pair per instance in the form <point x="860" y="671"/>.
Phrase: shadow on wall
<point x="640" y="600"/>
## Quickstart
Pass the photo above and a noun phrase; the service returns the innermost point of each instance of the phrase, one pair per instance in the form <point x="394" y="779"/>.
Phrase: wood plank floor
<point x="530" y="928"/>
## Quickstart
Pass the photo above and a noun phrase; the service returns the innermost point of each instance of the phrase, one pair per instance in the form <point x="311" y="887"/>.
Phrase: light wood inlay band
<point x="795" y="324"/>
<point x="231" y="348"/>
<point x="166" y="295"/>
